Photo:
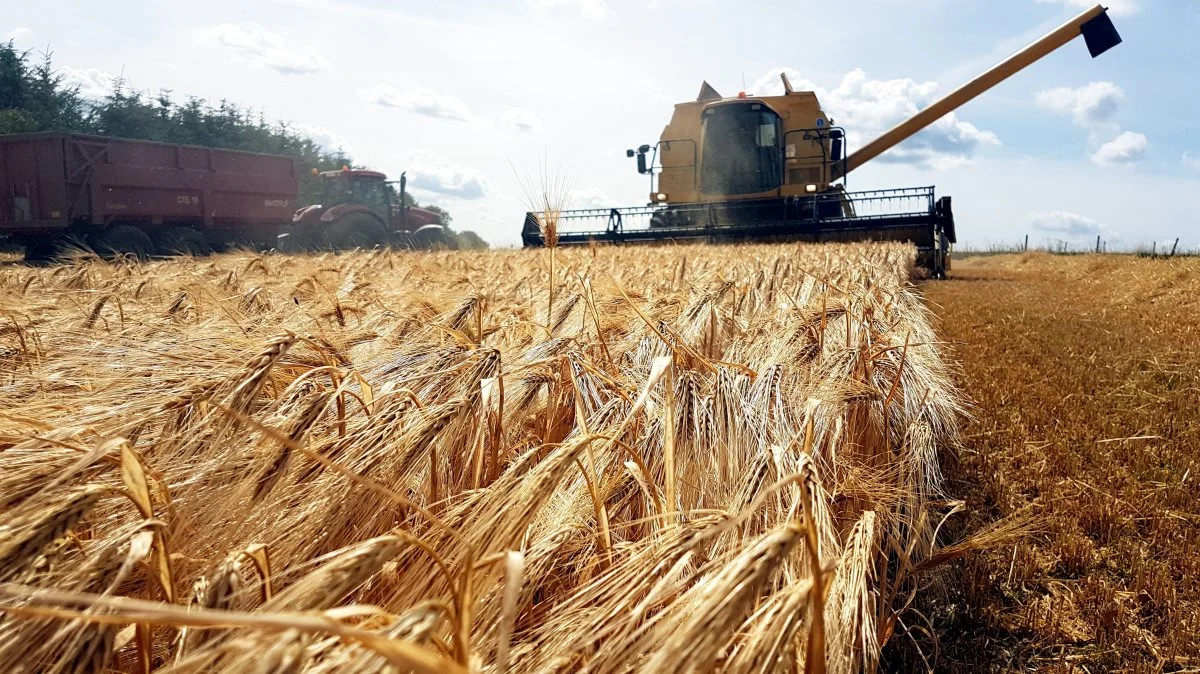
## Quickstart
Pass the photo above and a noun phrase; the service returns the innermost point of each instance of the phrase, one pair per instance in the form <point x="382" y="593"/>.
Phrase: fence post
<point x="1097" y="243"/>
<point x="1026" y="246"/>
<point x="1173" y="246"/>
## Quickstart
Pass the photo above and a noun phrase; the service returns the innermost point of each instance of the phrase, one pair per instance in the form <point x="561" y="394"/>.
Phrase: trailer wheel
<point x="357" y="231"/>
<point x="43" y="252"/>
<point x="122" y="240"/>
<point x="182" y="241"/>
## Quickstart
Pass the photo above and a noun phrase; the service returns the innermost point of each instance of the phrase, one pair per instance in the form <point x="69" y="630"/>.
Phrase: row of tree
<point x="34" y="97"/>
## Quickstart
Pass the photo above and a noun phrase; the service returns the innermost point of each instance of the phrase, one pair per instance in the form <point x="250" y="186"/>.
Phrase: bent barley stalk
<point x="436" y="475"/>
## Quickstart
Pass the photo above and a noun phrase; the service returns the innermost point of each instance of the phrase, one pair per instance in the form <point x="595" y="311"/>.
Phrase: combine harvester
<point x="767" y="168"/>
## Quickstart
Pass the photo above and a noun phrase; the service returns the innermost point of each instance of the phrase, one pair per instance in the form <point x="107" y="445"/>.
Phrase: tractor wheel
<point x="357" y="231"/>
<point x="404" y="241"/>
<point x="182" y="241"/>
<point x="121" y="241"/>
<point x="293" y="240"/>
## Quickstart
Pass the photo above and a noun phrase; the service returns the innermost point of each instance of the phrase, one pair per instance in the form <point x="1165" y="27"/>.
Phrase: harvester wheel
<point x="182" y="241"/>
<point x="120" y="241"/>
<point x="357" y="231"/>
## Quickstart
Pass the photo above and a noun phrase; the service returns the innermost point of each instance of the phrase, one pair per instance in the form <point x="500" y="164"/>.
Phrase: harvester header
<point x="774" y="167"/>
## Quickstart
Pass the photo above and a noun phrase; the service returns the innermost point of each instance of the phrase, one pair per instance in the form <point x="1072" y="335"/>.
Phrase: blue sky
<point x="467" y="95"/>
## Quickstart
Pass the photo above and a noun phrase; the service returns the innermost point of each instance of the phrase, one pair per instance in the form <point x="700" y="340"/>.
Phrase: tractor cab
<point x="360" y="209"/>
<point x="372" y="190"/>
<point x="366" y="188"/>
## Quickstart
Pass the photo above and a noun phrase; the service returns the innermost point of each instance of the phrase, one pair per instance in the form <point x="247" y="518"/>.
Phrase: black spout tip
<point x="1100" y="34"/>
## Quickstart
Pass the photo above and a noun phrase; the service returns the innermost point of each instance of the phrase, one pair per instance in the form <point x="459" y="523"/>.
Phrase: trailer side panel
<point x="52" y="184"/>
<point x="32" y="189"/>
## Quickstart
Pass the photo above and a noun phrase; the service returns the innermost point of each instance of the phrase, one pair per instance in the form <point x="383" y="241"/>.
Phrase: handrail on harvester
<point x="1095" y="26"/>
<point x="637" y="222"/>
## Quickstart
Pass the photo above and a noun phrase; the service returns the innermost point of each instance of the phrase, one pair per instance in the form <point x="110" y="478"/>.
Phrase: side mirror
<point x="642" y="162"/>
<point x="835" y="149"/>
<point x="629" y="153"/>
<point x="643" y="149"/>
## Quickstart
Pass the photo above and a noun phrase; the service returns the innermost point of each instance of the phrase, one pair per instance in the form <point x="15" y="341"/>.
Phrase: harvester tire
<point x="121" y="241"/>
<point x="357" y="231"/>
<point x="182" y="241"/>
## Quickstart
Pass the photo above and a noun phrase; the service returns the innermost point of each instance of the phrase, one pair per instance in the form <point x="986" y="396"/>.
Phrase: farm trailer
<point x="133" y="197"/>
<point x="118" y="197"/>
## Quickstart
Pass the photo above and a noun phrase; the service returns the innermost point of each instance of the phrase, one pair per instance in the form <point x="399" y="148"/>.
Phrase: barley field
<point x="1084" y="374"/>
<point x="653" y="459"/>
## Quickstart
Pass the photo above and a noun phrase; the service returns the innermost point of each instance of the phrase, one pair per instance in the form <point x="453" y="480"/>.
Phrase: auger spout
<point x="1094" y="25"/>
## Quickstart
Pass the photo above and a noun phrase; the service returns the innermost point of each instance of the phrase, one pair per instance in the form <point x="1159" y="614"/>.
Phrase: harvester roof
<point x="710" y="97"/>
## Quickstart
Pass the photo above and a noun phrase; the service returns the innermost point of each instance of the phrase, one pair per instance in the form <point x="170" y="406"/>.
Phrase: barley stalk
<point x="696" y="459"/>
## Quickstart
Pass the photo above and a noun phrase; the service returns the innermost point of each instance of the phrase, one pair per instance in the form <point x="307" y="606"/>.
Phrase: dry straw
<point x="698" y="459"/>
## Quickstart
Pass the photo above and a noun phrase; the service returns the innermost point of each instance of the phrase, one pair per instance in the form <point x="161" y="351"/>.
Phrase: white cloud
<point x="522" y="120"/>
<point x="1089" y="105"/>
<point x="421" y="101"/>
<point x="1190" y="160"/>
<point x="1095" y="106"/>
<point x="867" y="108"/>
<point x="591" y="197"/>
<point x="1115" y="7"/>
<point x="17" y="33"/>
<point x="591" y="9"/>
<point x="1127" y="148"/>
<point x="430" y="172"/>
<point x="254" y="44"/>
<point x="327" y="139"/>
<point x="93" y="84"/>
<point x="1065" y="223"/>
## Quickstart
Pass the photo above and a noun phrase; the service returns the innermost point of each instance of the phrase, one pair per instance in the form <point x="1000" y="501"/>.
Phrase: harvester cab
<point x="361" y="209"/>
<point x="720" y="149"/>
<point x="774" y="168"/>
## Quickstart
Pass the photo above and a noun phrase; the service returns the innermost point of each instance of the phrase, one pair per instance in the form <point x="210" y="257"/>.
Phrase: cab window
<point x="741" y="150"/>
<point x="371" y="193"/>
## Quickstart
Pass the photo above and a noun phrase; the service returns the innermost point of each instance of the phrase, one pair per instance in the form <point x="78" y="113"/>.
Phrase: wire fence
<point x="1156" y="249"/>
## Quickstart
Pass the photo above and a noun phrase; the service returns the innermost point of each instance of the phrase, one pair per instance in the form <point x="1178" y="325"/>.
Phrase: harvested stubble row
<point x="708" y="459"/>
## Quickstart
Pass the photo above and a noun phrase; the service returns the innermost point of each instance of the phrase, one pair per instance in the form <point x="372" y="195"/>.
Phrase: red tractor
<point x="358" y="209"/>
